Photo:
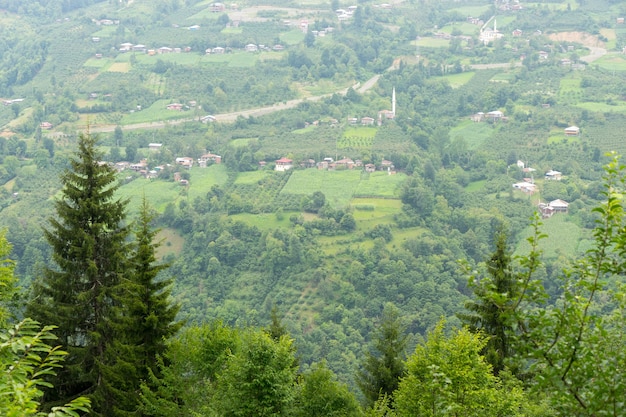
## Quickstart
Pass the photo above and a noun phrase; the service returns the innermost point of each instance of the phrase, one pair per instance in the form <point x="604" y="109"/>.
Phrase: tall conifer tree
<point x="146" y="319"/>
<point x="383" y="365"/>
<point x="89" y="242"/>
<point x="491" y="310"/>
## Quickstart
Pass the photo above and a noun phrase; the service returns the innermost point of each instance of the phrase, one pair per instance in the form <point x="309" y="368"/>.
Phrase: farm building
<point x="283" y="164"/>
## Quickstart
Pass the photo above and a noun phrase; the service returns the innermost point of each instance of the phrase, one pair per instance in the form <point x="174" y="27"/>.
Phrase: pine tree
<point x="146" y="319"/>
<point x="384" y="365"/>
<point x="89" y="243"/>
<point x="491" y="311"/>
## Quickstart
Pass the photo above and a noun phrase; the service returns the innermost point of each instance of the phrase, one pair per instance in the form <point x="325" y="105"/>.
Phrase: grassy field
<point x="293" y="37"/>
<point x="264" y="221"/>
<point x="563" y="238"/>
<point x="458" y="80"/>
<point x="432" y="42"/>
<point x="612" y="62"/>
<point x="251" y="177"/>
<point x="381" y="184"/>
<point x="474" y="134"/>
<point x="603" y="107"/>
<point x="471" y="10"/>
<point x="97" y="63"/>
<point x="240" y="142"/>
<point x="475" y="186"/>
<point x="119" y="67"/>
<point x="337" y="186"/>
<point x="503" y="77"/>
<point x="465" y="28"/>
<point x="368" y="212"/>
<point x="157" y="111"/>
<point x="202" y="179"/>
<point x="178" y="58"/>
<point x="158" y="194"/>
<point x="171" y="243"/>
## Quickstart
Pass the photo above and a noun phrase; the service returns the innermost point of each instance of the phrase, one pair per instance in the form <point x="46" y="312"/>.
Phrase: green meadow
<point x="380" y="184"/>
<point x="474" y="134"/>
<point x="458" y="80"/>
<point x="337" y="186"/>
<point x="157" y="193"/>
<point x="202" y="179"/>
<point x="157" y="111"/>
<point x="562" y="238"/>
<point x="251" y="177"/>
<point x="612" y="62"/>
<point x="433" y="42"/>
<point x="293" y="37"/>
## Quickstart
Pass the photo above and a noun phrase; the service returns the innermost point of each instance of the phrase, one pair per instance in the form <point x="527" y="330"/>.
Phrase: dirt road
<point x="231" y="117"/>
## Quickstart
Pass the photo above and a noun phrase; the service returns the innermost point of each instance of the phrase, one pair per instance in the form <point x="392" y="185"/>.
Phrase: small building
<point x="251" y="47"/>
<point x="45" y="125"/>
<point x="572" y="131"/>
<point x="525" y="186"/>
<point x="283" y="164"/>
<point x="517" y="32"/>
<point x="494" y="115"/>
<point x="619" y="20"/>
<point x="553" y="175"/>
<point x="217" y="7"/>
<point x="559" y="206"/>
<point x="155" y="146"/>
<point x="367" y="121"/>
<point x="185" y="161"/>
<point x="218" y="50"/>
<point x="175" y="106"/>
<point x="209" y="158"/>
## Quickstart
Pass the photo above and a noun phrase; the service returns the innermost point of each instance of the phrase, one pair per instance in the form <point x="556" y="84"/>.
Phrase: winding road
<point x="231" y="117"/>
<point x="595" y="53"/>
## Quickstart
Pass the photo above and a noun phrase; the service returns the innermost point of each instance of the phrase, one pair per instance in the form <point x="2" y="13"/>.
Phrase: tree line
<point x="522" y="351"/>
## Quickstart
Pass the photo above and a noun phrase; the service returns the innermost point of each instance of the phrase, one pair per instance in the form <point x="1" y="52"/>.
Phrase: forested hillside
<point x="310" y="167"/>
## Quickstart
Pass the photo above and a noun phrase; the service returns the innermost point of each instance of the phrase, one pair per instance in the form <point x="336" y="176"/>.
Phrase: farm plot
<point x="474" y="134"/>
<point x="157" y="193"/>
<point x="563" y="238"/>
<point x="157" y="111"/>
<point x="380" y="184"/>
<point x="337" y="186"/>
<point x="357" y="138"/>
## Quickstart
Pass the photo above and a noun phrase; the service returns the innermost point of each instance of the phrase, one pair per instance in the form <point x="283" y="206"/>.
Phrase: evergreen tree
<point x="89" y="243"/>
<point x="384" y="365"/>
<point x="7" y="280"/>
<point x="491" y="311"/>
<point x="146" y="319"/>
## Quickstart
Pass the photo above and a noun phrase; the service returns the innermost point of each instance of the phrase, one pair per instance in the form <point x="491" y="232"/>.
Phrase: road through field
<point x="231" y="117"/>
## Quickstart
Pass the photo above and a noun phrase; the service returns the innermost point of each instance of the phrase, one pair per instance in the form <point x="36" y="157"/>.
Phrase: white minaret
<point x="393" y="101"/>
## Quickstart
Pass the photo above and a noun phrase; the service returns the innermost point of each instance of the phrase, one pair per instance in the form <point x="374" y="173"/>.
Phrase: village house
<point x="251" y="47"/>
<point x="494" y="115"/>
<point x="517" y="32"/>
<point x="553" y="175"/>
<point x="217" y="7"/>
<point x="367" y="121"/>
<point x="45" y="125"/>
<point x="139" y="166"/>
<point x="619" y="20"/>
<point x="283" y="164"/>
<point x="175" y="106"/>
<point x="345" y="163"/>
<point x="184" y="161"/>
<point x="556" y="206"/>
<point x="572" y="131"/>
<point x="155" y="146"/>
<point x="209" y="158"/>
<point x="165" y="50"/>
<point x="525" y="186"/>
